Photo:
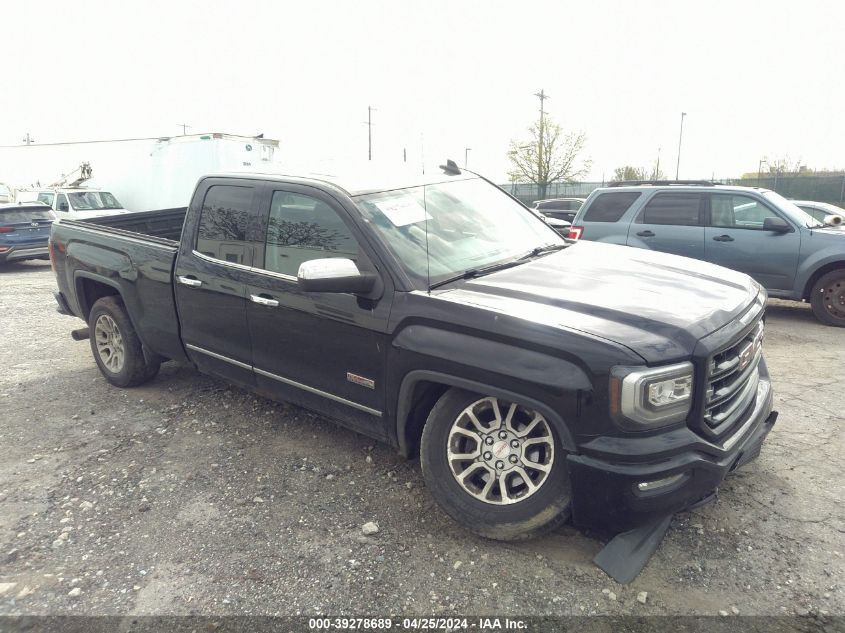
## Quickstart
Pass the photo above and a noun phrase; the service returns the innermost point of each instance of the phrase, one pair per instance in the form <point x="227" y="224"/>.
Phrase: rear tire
<point x="116" y="347"/>
<point x="828" y="298"/>
<point x="493" y="499"/>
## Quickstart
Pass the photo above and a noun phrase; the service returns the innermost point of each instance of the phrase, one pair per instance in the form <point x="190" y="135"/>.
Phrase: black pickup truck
<point x="537" y="378"/>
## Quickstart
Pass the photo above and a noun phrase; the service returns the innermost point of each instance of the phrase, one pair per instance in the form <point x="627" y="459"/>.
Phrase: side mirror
<point x="63" y="206"/>
<point x="832" y="220"/>
<point x="779" y="225"/>
<point x="334" y="275"/>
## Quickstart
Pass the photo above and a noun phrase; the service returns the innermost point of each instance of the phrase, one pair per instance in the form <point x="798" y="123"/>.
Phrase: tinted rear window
<point x="228" y="225"/>
<point x="565" y="205"/>
<point x="14" y="216"/>
<point x="679" y="209"/>
<point x="609" y="207"/>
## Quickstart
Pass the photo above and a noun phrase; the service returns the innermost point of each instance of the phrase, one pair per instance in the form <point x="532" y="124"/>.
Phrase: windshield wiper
<point x="541" y="250"/>
<point x="472" y="273"/>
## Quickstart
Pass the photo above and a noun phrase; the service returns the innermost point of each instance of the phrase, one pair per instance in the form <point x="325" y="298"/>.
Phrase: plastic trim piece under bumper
<point x="62" y="307"/>
<point x="606" y="494"/>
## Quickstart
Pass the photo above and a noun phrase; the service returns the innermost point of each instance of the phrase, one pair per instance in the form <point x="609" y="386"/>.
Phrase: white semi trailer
<point x="144" y="173"/>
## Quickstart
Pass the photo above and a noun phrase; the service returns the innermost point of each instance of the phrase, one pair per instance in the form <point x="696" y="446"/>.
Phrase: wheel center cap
<point x="501" y="449"/>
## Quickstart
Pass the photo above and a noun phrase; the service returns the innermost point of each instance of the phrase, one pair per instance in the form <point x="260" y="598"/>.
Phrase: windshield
<point x="443" y="230"/>
<point x="93" y="201"/>
<point x="796" y="213"/>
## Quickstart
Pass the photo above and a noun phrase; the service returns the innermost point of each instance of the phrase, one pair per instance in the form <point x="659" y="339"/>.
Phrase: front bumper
<point x="606" y="477"/>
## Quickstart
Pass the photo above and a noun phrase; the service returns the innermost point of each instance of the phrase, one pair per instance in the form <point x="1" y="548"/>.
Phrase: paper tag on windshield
<point x="403" y="211"/>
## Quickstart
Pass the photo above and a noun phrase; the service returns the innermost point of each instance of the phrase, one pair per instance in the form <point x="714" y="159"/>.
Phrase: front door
<point x="735" y="239"/>
<point x="325" y="351"/>
<point x="211" y="274"/>
<point x="671" y="222"/>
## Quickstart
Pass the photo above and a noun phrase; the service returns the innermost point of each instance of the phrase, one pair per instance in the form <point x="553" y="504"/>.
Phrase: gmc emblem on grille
<point x="745" y="356"/>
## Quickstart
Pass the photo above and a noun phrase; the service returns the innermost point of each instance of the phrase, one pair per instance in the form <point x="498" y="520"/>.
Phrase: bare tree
<point x="549" y="155"/>
<point x="629" y="172"/>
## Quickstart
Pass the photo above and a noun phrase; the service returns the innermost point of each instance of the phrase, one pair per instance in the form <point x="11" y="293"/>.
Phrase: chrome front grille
<point x="732" y="378"/>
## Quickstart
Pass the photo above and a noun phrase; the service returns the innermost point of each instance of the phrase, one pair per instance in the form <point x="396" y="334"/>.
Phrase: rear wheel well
<point x="808" y="289"/>
<point x="88" y="291"/>
<point x="425" y="395"/>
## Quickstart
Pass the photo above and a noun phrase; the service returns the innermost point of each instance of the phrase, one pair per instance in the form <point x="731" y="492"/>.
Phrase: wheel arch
<point x="420" y="390"/>
<point x="818" y="273"/>
<point x="90" y="288"/>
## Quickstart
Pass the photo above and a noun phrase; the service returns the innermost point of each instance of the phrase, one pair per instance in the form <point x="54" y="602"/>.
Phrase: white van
<point x="75" y="204"/>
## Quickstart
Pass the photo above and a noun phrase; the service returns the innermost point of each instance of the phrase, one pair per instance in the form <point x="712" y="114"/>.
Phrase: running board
<point x="625" y="556"/>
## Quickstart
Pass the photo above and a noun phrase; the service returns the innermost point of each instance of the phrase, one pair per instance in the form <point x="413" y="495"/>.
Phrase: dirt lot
<point x="189" y="496"/>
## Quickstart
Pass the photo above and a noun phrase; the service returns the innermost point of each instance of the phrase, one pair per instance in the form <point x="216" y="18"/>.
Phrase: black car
<point x="536" y="377"/>
<point x="559" y="208"/>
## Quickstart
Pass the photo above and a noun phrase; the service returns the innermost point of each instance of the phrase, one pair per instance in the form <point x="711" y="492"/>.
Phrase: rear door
<point x="735" y="238"/>
<point x="671" y="222"/>
<point x="602" y="218"/>
<point x="217" y="251"/>
<point x="325" y="351"/>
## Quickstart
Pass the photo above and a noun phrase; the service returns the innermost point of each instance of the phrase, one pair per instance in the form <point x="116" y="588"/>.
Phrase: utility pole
<point x="184" y="127"/>
<point x="370" y="132"/>
<point x="657" y="166"/>
<point x="466" y="153"/>
<point x="680" y="139"/>
<point x="404" y="154"/>
<point x="540" y="175"/>
<point x="28" y="139"/>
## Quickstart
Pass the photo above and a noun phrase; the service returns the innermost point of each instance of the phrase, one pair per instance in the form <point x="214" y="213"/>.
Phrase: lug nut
<point x="488" y="455"/>
<point x="488" y="440"/>
<point x="513" y="459"/>
<point x="514" y="443"/>
<point x="503" y="434"/>
<point x="500" y="465"/>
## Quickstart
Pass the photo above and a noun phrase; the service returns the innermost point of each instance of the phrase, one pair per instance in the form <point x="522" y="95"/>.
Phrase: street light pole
<point x="466" y="153"/>
<point x="540" y="175"/>
<point x="680" y="139"/>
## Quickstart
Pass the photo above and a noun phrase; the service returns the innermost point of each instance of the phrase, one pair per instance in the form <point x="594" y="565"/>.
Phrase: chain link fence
<point x="828" y="188"/>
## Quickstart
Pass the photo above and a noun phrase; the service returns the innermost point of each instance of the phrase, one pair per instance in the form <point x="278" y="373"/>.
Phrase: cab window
<point x="228" y="226"/>
<point x="738" y="211"/>
<point x="301" y="228"/>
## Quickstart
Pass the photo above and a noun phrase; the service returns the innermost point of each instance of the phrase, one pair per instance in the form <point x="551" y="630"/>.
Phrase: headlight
<point x="651" y="396"/>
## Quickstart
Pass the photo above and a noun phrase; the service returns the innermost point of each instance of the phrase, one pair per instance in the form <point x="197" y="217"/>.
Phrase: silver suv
<point x="752" y="230"/>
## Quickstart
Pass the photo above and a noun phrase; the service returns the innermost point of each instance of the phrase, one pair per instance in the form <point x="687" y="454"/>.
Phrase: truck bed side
<point x="123" y="255"/>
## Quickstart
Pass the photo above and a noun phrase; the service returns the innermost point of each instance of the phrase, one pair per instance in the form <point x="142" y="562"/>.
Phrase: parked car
<point x="560" y="208"/>
<point x="824" y="212"/>
<point x="535" y="376"/>
<point x="5" y="194"/>
<point x="75" y="204"/>
<point x="751" y="230"/>
<point x="24" y="231"/>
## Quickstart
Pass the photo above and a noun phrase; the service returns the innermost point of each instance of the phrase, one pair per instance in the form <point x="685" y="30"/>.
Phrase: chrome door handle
<point x="264" y="301"/>
<point x="189" y="281"/>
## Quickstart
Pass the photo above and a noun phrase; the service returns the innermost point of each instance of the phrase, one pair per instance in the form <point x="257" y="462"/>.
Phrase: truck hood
<point x="656" y="304"/>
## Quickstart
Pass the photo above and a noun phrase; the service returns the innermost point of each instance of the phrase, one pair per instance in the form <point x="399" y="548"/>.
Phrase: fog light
<point x="648" y="486"/>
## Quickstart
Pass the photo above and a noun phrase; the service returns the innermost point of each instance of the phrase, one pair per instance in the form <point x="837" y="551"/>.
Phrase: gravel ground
<point x="187" y="496"/>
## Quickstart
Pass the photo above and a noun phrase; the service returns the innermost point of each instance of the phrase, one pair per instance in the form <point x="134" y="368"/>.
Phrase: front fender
<point x="549" y="384"/>
<point x="815" y="261"/>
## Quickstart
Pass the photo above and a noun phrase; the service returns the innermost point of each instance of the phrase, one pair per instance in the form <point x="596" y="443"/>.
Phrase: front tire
<point x="828" y="298"/>
<point x="494" y="466"/>
<point x="115" y="345"/>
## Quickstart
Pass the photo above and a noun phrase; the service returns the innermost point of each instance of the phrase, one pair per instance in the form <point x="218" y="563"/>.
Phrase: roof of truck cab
<point x="357" y="182"/>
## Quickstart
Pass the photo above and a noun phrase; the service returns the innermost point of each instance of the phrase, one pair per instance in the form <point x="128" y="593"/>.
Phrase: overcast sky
<point x="756" y="78"/>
